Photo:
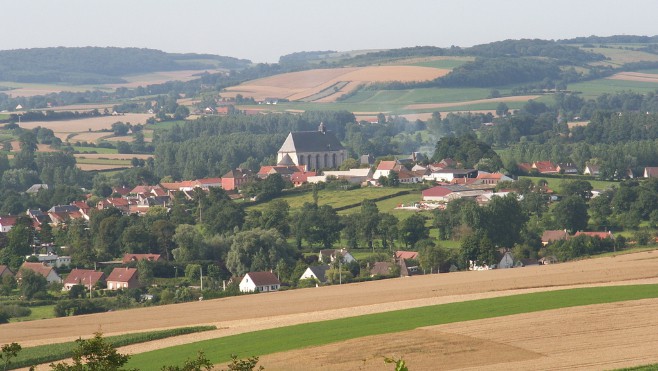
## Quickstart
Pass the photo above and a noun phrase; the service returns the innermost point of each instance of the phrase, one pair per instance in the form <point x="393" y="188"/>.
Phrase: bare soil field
<point x="90" y="167"/>
<point x="635" y="76"/>
<point x="595" y="337"/>
<point x="91" y="137"/>
<point x="87" y="124"/>
<point x="112" y="156"/>
<point x="159" y="78"/>
<point x="298" y="85"/>
<point x="520" y="98"/>
<point x="251" y="312"/>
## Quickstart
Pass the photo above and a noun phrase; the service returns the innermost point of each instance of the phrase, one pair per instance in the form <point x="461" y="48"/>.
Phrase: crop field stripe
<point x="320" y="333"/>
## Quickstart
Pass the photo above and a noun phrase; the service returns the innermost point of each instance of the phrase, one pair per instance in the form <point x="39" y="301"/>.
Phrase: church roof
<point x="311" y="141"/>
<point x="286" y="161"/>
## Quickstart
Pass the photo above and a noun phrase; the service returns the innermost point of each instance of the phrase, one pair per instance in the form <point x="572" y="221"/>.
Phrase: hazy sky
<point x="264" y="30"/>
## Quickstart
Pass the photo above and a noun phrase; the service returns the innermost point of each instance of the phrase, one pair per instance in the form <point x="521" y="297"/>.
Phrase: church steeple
<point x="322" y="128"/>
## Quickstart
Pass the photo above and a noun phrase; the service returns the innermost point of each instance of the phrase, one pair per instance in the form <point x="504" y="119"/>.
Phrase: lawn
<point x="41" y="312"/>
<point x="554" y="183"/>
<point x="334" y="198"/>
<point x="164" y="125"/>
<point x="95" y="149"/>
<point x="595" y="88"/>
<point x="319" y="333"/>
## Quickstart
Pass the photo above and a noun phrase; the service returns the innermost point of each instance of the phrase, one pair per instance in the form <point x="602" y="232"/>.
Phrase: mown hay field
<point x="88" y="124"/>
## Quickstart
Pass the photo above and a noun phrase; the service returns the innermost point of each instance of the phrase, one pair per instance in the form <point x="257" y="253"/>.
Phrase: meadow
<point x="334" y="198"/>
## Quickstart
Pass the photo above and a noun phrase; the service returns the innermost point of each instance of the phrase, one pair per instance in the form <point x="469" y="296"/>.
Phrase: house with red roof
<point x="7" y="222"/>
<point x="123" y="278"/>
<point x="121" y="191"/>
<point x="651" y="172"/>
<point x="117" y="202"/>
<point x="601" y="235"/>
<point x="259" y="281"/>
<point x="545" y="167"/>
<point x="401" y="254"/>
<point x="40" y="268"/>
<point x="235" y="179"/>
<point x="384" y="169"/>
<point x="84" y="277"/>
<point x="438" y="193"/>
<point x="128" y="258"/>
<point x="553" y="235"/>
<point x="491" y="178"/>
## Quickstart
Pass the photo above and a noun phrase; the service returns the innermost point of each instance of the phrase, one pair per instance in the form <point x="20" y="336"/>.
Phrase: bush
<point x="14" y="311"/>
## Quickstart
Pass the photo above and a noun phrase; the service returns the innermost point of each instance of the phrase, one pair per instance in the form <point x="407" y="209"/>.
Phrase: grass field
<point x="95" y="149"/>
<point x="41" y="312"/>
<point x="319" y="333"/>
<point x="554" y="183"/>
<point x="334" y="198"/>
<point x="594" y="88"/>
<point x="102" y="161"/>
<point x="443" y="63"/>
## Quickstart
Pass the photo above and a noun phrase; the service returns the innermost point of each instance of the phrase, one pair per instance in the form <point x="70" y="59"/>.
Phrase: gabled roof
<point x="39" y="268"/>
<point x="144" y="189"/>
<point x="319" y="271"/>
<point x="127" y="258"/>
<point x="311" y="141"/>
<point x="5" y="270"/>
<point x="401" y="254"/>
<point x="236" y="173"/>
<point x="63" y="209"/>
<point x="209" y="181"/>
<point x="381" y="268"/>
<point x="263" y="278"/>
<point x="8" y="220"/>
<point x="554" y="235"/>
<point x="601" y="235"/>
<point x="123" y="190"/>
<point x="122" y="274"/>
<point x="651" y="172"/>
<point x="545" y="166"/>
<point x="387" y="165"/>
<point x="438" y="191"/>
<point x="286" y="161"/>
<point x="35" y="188"/>
<point x="84" y="277"/>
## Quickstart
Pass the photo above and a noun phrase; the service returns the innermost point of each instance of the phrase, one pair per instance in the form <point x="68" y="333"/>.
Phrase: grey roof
<point x="286" y="161"/>
<point x="311" y="141"/>
<point x="63" y="209"/>
<point x="36" y="188"/>
<point x="319" y="271"/>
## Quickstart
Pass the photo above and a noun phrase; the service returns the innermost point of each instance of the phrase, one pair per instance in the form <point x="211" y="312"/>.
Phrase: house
<point x="437" y="193"/>
<point x="367" y="160"/>
<point x="381" y="269"/>
<point x="116" y="202"/>
<point x="329" y="255"/>
<point x="651" y="172"/>
<point x="446" y="193"/>
<point x="567" y="168"/>
<point x="384" y="169"/>
<point x="235" y="179"/>
<point x="524" y="167"/>
<point x="507" y="261"/>
<point x="39" y="268"/>
<point x="447" y="175"/>
<point x="121" y="191"/>
<point x="405" y="270"/>
<point x="207" y="183"/>
<point x="592" y="170"/>
<point x="354" y="176"/>
<point x="259" y="281"/>
<point x="601" y="235"/>
<point x="123" y="278"/>
<point x="7" y="222"/>
<point x="316" y="272"/>
<point x="301" y="177"/>
<point x="545" y="167"/>
<point x="553" y="235"/>
<point x="404" y="255"/>
<point x="128" y="258"/>
<point x="491" y="178"/>
<point x="319" y="149"/>
<point x="85" y="277"/>
<point x="53" y="260"/>
<point x="546" y="260"/>
<point x="5" y="271"/>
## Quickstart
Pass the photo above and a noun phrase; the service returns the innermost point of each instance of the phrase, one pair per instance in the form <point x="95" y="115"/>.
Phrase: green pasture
<point x="95" y="149"/>
<point x="442" y="63"/>
<point x="163" y="125"/>
<point x="40" y="312"/>
<point x="282" y="339"/>
<point x="334" y="198"/>
<point x="594" y="88"/>
<point x="618" y="57"/>
<point x="554" y="183"/>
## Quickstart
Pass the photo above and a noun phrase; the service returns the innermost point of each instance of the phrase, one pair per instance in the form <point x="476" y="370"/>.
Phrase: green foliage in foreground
<point x="55" y="352"/>
<point x="653" y="367"/>
<point x="320" y="333"/>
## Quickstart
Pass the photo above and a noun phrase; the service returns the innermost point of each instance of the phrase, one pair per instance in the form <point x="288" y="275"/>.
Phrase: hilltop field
<point x="524" y="341"/>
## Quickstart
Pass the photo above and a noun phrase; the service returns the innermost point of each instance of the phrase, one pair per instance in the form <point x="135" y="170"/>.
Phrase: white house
<point x="384" y="169"/>
<point x="330" y="255"/>
<point x="39" y="268"/>
<point x="53" y="260"/>
<point x="259" y="281"/>
<point x="316" y="272"/>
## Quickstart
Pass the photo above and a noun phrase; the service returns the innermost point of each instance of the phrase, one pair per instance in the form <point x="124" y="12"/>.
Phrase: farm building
<point x="123" y="278"/>
<point x="85" y="277"/>
<point x="316" y="272"/>
<point x="553" y="235"/>
<point x="329" y="255"/>
<point x="507" y="261"/>
<point x="234" y="179"/>
<point x="127" y="258"/>
<point x="259" y="281"/>
<point x="319" y="149"/>
<point x="381" y="269"/>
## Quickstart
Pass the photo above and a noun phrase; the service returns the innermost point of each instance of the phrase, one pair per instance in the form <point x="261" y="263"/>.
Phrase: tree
<point x="502" y="109"/>
<point x="369" y="219"/>
<point x="413" y="230"/>
<point x="32" y="283"/>
<point x="94" y="354"/>
<point x="431" y="257"/>
<point x="388" y="230"/>
<point x="580" y="188"/>
<point x="120" y="129"/>
<point x="248" y="364"/>
<point x="197" y="364"/>
<point x="181" y="113"/>
<point x="7" y="352"/>
<point x="257" y="250"/>
<point x="571" y="213"/>
<point x="145" y="272"/>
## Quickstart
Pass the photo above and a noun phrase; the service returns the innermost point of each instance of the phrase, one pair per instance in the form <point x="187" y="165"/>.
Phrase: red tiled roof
<point x="122" y="274"/>
<point x="544" y="166"/>
<point x="209" y="180"/>
<point x="127" y="258"/>
<point x="437" y="191"/>
<point x="84" y="277"/>
<point x="406" y="254"/>
<point x="386" y="165"/>
<point x="8" y="220"/>
<point x="524" y="166"/>
<point x="554" y="235"/>
<point x="5" y="270"/>
<point x="263" y="278"/>
<point x="601" y="235"/>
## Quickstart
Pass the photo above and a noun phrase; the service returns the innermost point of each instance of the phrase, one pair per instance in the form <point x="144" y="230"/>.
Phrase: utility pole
<point x="201" y="270"/>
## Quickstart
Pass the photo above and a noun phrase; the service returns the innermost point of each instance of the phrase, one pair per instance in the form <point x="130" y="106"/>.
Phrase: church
<point x="313" y="149"/>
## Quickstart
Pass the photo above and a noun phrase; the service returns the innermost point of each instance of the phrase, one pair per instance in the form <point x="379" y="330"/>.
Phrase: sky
<point x="264" y="30"/>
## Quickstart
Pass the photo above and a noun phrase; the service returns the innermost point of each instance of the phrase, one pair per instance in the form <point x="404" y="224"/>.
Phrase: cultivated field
<point x="635" y="76"/>
<point x="256" y="312"/>
<point x="88" y="124"/>
<point x="300" y="85"/>
<point x="519" y="98"/>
